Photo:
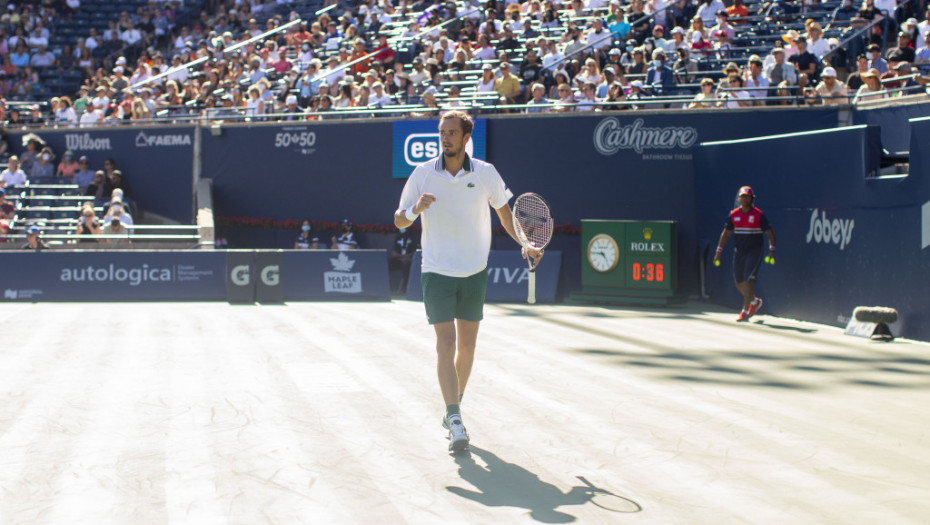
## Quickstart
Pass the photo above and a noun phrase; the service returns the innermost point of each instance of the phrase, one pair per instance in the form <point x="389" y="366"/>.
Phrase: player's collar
<point x="441" y="164"/>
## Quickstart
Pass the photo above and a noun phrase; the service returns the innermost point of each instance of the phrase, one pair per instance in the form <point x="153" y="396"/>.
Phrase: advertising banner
<point x="269" y="287"/>
<point x="332" y="275"/>
<point x="845" y="239"/>
<point x="508" y="275"/>
<point x="112" y="276"/>
<point x="157" y="163"/>
<point x="325" y="171"/>
<point x="240" y="284"/>
<point x="417" y="141"/>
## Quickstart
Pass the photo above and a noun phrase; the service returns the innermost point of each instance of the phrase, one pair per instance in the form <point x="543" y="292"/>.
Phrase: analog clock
<point x="603" y="253"/>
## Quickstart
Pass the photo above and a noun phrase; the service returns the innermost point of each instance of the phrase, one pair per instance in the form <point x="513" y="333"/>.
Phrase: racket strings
<point x="534" y="223"/>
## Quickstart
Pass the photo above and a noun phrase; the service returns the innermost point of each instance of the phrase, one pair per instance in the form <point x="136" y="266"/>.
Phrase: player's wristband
<point x="719" y="249"/>
<point x="771" y="247"/>
<point x="410" y="215"/>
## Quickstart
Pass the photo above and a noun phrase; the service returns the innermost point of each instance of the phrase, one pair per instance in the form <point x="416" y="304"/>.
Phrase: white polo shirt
<point x="456" y="236"/>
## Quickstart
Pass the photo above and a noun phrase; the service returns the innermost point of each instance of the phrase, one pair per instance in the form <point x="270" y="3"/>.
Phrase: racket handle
<point x="531" y="298"/>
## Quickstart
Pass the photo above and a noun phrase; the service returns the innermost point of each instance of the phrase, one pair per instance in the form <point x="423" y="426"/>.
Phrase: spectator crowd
<point x="279" y="59"/>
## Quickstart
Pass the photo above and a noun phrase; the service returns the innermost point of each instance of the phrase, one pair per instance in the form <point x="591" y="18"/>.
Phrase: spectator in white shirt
<point x="12" y="176"/>
<point x="43" y="58"/>
<point x="816" y="44"/>
<point x="131" y="36"/>
<point x="708" y="11"/>
<point x="91" y="41"/>
<point x="36" y="39"/>
<point x="923" y="29"/>
<point x="599" y="37"/>
<point x="178" y="74"/>
<point x="735" y="96"/>
<point x="552" y="55"/>
<point x="379" y="97"/>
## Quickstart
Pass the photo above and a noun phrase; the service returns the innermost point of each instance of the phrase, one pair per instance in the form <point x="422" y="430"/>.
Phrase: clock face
<point x="603" y="253"/>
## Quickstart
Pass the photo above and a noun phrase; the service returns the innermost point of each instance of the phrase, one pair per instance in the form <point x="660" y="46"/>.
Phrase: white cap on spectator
<point x="829" y="72"/>
<point x="117" y="69"/>
<point x="121" y="61"/>
<point x="615" y="51"/>
<point x="678" y="29"/>
<point x="637" y="83"/>
<point x="291" y="99"/>
<point x="910" y="22"/>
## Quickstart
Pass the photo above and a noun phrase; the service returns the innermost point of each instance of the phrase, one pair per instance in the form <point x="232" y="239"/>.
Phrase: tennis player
<point x="748" y="223"/>
<point x="452" y="193"/>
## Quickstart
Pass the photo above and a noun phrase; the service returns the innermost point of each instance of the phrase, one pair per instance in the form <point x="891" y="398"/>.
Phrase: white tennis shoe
<point x="458" y="436"/>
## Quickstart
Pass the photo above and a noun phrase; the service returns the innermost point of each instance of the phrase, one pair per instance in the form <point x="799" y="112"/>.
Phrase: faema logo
<point x="826" y="231"/>
<point x="132" y="276"/>
<point x="420" y="147"/>
<point x="610" y="137"/>
<point x="144" y="140"/>
<point x="342" y="280"/>
<point x="85" y="142"/>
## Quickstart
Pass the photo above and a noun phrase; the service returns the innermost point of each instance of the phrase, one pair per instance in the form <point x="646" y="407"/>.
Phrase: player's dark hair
<point x="464" y="119"/>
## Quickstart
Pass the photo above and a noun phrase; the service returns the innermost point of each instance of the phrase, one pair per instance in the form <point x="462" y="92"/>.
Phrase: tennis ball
<point x="717" y="262"/>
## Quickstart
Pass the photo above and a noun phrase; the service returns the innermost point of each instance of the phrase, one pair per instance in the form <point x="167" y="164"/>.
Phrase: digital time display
<point x="648" y="271"/>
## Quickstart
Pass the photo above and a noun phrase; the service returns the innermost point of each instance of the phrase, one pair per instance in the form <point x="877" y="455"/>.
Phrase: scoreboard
<point x="629" y="261"/>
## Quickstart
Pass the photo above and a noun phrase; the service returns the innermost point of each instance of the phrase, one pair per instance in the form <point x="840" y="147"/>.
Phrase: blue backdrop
<point x="508" y="277"/>
<point x="844" y="240"/>
<point x="113" y="276"/>
<point x="157" y="163"/>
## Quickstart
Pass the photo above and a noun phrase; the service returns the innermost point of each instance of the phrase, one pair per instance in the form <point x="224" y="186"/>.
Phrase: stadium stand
<point x="172" y="61"/>
<point x="137" y="61"/>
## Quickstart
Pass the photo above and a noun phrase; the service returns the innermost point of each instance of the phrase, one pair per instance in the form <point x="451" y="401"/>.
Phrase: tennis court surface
<point x="203" y="413"/>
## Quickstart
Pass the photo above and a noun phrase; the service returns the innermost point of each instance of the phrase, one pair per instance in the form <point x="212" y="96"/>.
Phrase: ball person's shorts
<point x="449" y="298"/>
<point x="746" y="264"/>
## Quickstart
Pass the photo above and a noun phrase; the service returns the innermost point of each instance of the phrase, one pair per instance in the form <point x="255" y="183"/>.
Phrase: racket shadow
<point x="498" y="483"/>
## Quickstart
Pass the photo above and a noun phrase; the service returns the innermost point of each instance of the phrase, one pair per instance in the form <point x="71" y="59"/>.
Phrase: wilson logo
<point x="84" y="142"/>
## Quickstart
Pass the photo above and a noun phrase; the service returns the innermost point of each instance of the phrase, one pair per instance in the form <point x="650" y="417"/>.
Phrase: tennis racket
<point x="532" y="222"/>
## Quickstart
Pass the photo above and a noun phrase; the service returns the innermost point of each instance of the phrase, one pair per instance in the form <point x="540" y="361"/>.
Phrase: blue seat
<point x="35" y="213"/>
<point x="65" y="213"/>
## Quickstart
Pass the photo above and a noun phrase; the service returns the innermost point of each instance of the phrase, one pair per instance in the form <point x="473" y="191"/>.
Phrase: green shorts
<point x="449" y="298"/>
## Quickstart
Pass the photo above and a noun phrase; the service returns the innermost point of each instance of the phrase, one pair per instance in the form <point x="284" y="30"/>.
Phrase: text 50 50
<point x="285" y="140"/>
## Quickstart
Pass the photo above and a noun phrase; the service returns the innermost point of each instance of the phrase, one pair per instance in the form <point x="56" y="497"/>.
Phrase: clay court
<point x="322" y="413"/>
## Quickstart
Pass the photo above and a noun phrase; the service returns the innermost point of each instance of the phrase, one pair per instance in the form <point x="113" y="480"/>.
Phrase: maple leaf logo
<point x="342" y="263"/>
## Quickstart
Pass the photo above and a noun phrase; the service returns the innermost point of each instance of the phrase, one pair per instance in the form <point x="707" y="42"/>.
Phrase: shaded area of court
<point x="330" y="413"/>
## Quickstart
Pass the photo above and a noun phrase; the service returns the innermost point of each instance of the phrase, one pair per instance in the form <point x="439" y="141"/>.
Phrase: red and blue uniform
<point x="747" y="228"/>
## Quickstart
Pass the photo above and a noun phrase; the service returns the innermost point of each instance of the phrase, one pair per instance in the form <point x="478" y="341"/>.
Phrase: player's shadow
<point x="502" y="484"/>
